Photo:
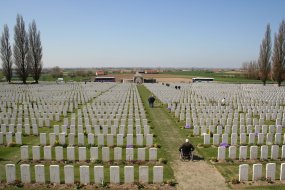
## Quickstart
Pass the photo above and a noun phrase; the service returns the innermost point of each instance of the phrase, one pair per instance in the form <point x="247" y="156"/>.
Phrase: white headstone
<point x="94" y="153"/>
<point x="117" y="153"/>
<point x="25" y="173"/>
<point x="40" y="173"/>
<point x="98" y="174"/>
<point x="114" y="174"/>
<point x="47" y="153"/>
<point x="282" y="172"/>
<point x="234" y="139"/>
<point x="36" y="153"/>
<point x="110" y="140"/>
<point x="260" y="139"/>
<point x="129" y="154"/>
<point x="105" y="154"/>
<point x="253" y="152"/>
<point x="221" y="153"/>
<point x="70" y="153"/>
<point x="43" y="139"/>
<point x="216" y="139"/>
<point x="84" y="175"/>
<point x="120" y="139"/>
<point x="143" y="174"/>
<point x="82" y="153"/>
<point x="129" y="174"/>
<point x="54" y="174"/>
<point x="68" y="174"/>
<point x="71" y="137"/>
<point x="18" y="136"/>
<point x="90" y="139"/>
<point x="242" y="152"/>
<point x="141" y="154"/>
<point x="10" y="173"/>
<point x="58" y="153"/>
<point x="100" y="139"/>
<point x="61" y="138"/>
<point x="257" y="172"/>
<point x="270" y="171"/>
<point x="243" y="172"/>
<point x="157" y="174"/>
<point x="25" y="152"/>
<point x="264" y="152"/>
<point x="274" y="152"/>
<point x="206" y="139"/>
<point x="81" y="139"/>
<point x="130" y="139"/>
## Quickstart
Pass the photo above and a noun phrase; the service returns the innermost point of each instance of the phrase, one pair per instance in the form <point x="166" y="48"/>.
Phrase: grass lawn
<point x="218" y="76"/>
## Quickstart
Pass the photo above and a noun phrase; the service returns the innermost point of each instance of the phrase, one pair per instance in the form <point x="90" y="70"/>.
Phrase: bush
<point x="171" y="182"/>
<point x="18" y="183"/>
<point x="235" y="181"/>
<point x="162" y="161"/>
<point x="139" y="185"/>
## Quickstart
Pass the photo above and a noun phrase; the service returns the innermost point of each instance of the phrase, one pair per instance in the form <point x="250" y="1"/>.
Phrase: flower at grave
<point x="169" y="108"/>
<point x="225" y="145"/>
<point x="256" y="134"/>
<point x="188" y="126"/>
<point x="129" y="146"/>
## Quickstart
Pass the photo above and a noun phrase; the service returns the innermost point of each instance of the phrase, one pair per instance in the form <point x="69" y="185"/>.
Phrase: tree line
<point x="26" y="54"/>
<point x="270" y="64"/>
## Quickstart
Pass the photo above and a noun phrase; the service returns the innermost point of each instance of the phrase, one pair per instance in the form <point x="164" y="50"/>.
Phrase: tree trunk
<point x="279" y="83"/>
<point x="264" y="82"/>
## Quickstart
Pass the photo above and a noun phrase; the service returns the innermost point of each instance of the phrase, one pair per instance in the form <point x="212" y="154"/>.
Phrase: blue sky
<point x="147" y="33"/>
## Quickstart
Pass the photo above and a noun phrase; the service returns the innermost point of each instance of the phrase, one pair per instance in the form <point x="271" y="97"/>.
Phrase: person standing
<point x="151" y="100"/>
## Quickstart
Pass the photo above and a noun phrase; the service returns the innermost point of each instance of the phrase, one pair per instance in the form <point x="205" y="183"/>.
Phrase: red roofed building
<point x="151" y="71"/>
<point x="100" y="72"/>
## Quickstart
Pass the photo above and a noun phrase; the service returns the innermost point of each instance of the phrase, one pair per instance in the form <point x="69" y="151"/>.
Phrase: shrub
<point x="162" y="161"/>
<point x="269" y="180"/>
<point x="171" y="182"/>
<point x="98" y="162"/>
<point x="139" y="185"/>
<point x="235" y="181"/>
<point x="18" y="183"/>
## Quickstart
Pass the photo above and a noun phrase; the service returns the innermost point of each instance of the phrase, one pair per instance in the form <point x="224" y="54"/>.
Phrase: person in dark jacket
<point x="151" y="100"/>
<point x="187" y="148"/>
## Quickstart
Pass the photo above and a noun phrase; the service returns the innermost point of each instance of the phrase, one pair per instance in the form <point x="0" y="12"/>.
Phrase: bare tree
<point x="21" y="49"/>
<point x="35" y="51"/>
<point x="278" y="57"/>
<point x="251" y="69"/>
<point x="6" y="54"/>
<point x="56" y="72"/>
<point x="264" y="63"/>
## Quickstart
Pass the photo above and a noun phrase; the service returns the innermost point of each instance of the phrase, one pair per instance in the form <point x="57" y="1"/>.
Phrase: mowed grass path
<point x="189" y="175"/>
<point x="167" y="135"/>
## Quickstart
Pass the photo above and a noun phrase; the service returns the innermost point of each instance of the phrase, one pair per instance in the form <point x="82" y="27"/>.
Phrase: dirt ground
<point x="198" y="175"/>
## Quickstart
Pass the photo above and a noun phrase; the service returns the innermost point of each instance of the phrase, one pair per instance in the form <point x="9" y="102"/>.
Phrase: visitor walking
<point x="151" y="100"/>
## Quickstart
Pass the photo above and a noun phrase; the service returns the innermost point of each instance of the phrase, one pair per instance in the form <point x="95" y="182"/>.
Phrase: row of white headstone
<point x="253" y="153"/>
<point x="7" y="138"/>
<point x="179" y="99"/>
<point x="141" y="139"/>
<point x="105" y="129"/>
<point x="228" y="129"/>
<point x="253" y="138"/>
<point x="27" y="129"/>
<point x="107" y="121"/>
<point x="257" y="172"/>
<point x="84" y="173"/>
<point x="82" y="152"/>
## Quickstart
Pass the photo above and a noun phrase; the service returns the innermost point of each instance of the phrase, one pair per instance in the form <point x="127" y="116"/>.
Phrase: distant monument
<point x="138" y="78"/>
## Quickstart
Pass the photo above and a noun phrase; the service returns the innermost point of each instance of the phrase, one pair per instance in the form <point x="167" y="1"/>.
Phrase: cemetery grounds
<point x="165" y="122"/>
